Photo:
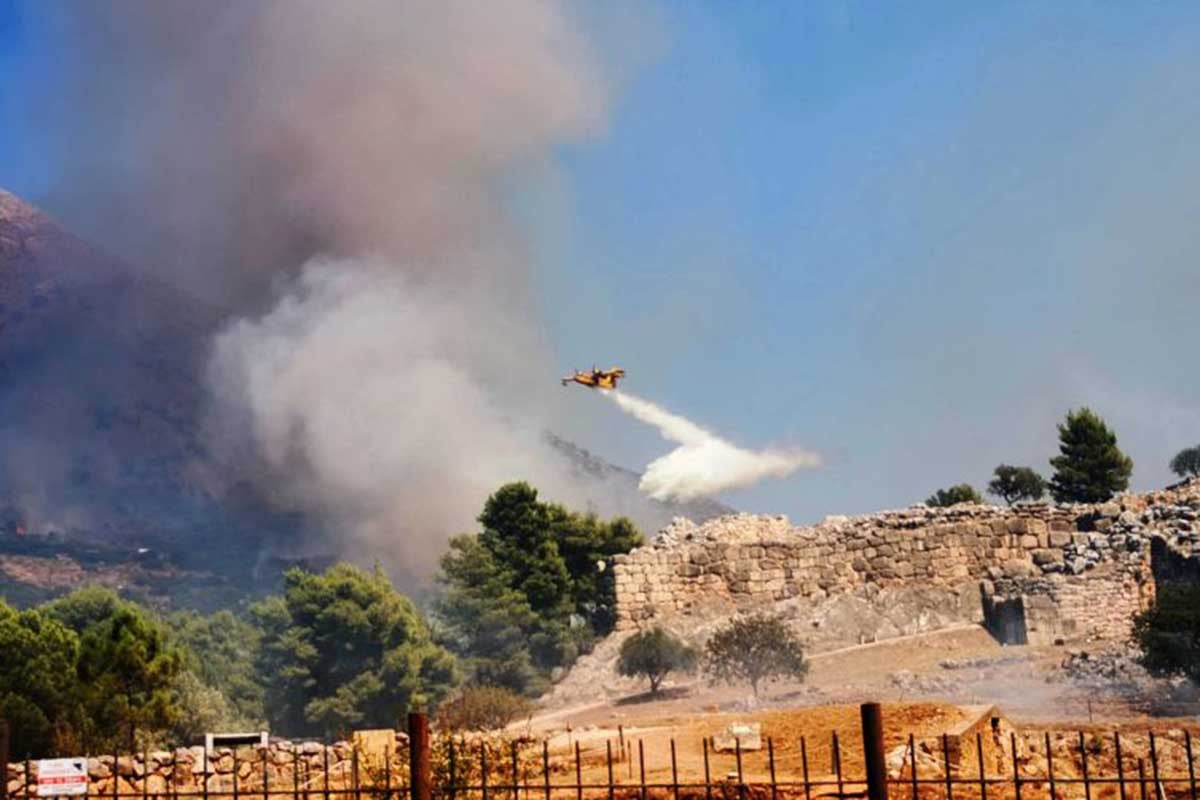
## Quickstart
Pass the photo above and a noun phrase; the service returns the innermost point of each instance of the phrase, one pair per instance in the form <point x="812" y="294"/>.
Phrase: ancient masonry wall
<point x="1066" y="571"/>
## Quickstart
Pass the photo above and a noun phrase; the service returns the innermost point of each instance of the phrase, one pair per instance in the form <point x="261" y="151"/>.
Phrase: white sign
<point x="59" y="776"/>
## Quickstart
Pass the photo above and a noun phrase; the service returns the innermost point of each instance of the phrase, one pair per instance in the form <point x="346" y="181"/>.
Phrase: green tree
<point x="1090" y="467"/>
<point x="1187" y="462"/>
<point x="126" y="668"/>
<point x="530" y="591"/>
<point x="220" y="650"/>
<point x="962" y="493"/>
<point x="753" y="649"/>
<point x="127" y="671"/>
<point x="654" y="654"/>
<point x="344" y="649"/>
<point x="488" y="623"/>
<point x="85" y="607"/>
<point x="1017" y="483"/>
<point x="202" y="709"/>
<point x="1168" y="633"/>
<point x="38" y="685"/>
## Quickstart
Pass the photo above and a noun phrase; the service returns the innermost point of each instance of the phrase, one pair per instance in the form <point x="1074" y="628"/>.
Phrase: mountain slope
<point x="101" y="398"/>
<point x="106" y="445"/>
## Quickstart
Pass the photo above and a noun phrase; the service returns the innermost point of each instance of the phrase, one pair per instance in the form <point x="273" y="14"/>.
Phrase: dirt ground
<point x="786" y="729"/>
<point x="927" y="684"/>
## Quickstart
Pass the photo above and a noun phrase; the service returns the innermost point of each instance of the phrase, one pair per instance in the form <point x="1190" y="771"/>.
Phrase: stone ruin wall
<point x="306" y="768"/>
<point x="1059" y="571"/>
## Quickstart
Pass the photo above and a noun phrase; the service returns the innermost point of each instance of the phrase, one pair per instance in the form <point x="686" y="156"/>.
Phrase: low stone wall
<point x="285" y="766"/>
<point x="1074" y="570"/>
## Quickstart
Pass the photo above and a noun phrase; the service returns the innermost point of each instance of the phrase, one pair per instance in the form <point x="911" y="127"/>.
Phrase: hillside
<point x="102" y="437"/>
<point x="107" y="464"/>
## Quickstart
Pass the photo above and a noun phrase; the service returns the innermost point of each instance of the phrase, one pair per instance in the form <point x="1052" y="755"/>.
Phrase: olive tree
<point x="753" y="649"/>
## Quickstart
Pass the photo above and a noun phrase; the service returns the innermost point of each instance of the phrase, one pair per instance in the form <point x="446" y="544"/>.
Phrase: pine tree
<point x="1090" y="467"/>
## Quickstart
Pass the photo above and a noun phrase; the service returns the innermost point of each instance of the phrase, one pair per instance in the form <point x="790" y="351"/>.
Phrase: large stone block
<point x="1059" y="538"/>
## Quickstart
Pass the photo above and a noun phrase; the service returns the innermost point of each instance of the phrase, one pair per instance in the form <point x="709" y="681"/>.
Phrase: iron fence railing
<point x="987" y="762"/>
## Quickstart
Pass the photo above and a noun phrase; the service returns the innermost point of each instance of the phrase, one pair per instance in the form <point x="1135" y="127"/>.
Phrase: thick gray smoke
<point x="234" y="140"/>
<point x="333" y="175"/>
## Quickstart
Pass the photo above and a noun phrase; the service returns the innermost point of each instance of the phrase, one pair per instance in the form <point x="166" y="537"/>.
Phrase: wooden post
<point x="872" y="733"/>
<point x="418" y="756"/>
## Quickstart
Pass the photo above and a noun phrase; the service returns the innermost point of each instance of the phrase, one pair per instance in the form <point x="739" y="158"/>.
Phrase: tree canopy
<point x="38" y="685"/>
<point x="753" y="649"/>
<point x="654" y="654"/>
<point x="344" y="649"/>
<point x="86" y="671"/>
<point x="530" y="590"/>
<point x="1090" y="468"/>
<point x="1017" y="483"/>
<point x="220" y="650"/>
<point x="127" y="671"/>
<point x="1186" y="462"/>
<point x="961" y="493"/>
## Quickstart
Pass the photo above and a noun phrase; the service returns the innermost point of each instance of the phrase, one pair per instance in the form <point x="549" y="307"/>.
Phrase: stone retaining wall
<point x="1077" y="570"/>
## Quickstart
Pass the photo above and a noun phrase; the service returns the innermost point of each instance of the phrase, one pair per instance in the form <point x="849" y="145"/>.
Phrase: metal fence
<point x="981" y="765"/>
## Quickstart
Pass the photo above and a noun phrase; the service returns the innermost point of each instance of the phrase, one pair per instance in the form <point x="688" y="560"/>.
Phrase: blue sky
<point x="910" y="236"/>
<point x="911" y="239"/>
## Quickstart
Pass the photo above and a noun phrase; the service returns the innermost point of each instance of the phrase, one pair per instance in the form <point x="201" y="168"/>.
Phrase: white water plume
<point x="704" y="463"/>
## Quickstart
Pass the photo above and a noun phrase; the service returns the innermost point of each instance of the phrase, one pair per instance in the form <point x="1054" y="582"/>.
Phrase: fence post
<point x="872" y="734"/>
<point x="418" y="756"/>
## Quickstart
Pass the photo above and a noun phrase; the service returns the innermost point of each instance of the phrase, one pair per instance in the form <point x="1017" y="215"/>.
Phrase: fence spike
<point x="946" y="763"/>
<point x="982" y="769"/>
<point x="1083" y="767"/>
<point x="770" y="764"/>
<point x="608" y="752"/>
<point x="1050" y="765"/>
<point x="912" y="748"/>
<point x="674" y="771"/>
<point x="707" y="774"/>
<point x="1120" y="764"/>
<point x="803" y="764"/>
<point x="1187" y="741"/>
<point x="1012" y="739"/>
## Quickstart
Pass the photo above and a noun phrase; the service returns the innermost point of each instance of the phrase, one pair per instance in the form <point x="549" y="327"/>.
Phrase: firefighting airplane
<point x="597" y="378"/>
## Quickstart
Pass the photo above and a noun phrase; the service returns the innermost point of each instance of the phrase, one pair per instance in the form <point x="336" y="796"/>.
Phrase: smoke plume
<point x="335" y="178"/>
<point x="704" y="463"/>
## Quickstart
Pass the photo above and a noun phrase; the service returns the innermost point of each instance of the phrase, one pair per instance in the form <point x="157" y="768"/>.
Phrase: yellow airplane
<point x="597" y="378"/>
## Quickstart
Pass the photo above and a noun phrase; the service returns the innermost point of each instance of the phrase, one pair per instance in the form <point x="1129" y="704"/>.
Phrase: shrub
<point x="1168" y="633"/>
<point x="483" y="708"/>
<point x="962" y="493"/>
